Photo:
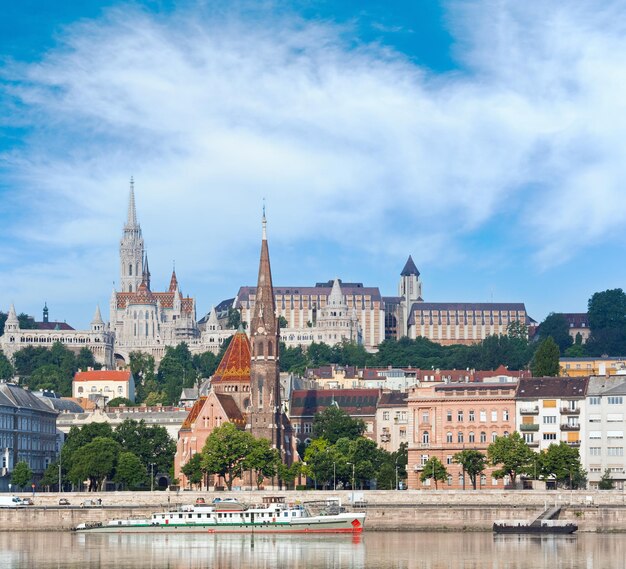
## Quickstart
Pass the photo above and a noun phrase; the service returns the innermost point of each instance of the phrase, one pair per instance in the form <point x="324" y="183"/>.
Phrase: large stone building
<point x="97" y="339"/>
<point x="27" y="432"/>
<point x="329" y="312"/>
<point x="141" y="319"/>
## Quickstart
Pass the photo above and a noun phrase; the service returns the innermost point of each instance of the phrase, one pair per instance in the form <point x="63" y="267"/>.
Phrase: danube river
<point x="375" y="550"/>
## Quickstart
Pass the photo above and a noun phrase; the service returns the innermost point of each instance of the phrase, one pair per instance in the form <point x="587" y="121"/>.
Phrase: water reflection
<point x="370" y="551"/>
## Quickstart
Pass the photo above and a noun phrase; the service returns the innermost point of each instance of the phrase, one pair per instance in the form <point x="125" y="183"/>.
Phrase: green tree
<point x="282" y="322"/>
<point x="85" y="359"/>
<point x="234" y="318"/>
<point x="142" y="367"/>
<point x="545" y="362"/>
<point x="151" y="443"/>
<point x="555" y="325"/>
<point x="50" y="377"/>
<point x="119" y="401"/>
<point x="192" y="469"/>
<point x="225" y="452"/>
<point x="6" y="369"/>
<point x="293" y="360"/>
<point x="263" y="459"/>
<point x="575" y="351"/>
<point x="517" y="330"/>
<point x="129" y="471"/>
<point x="22" y="475"/>
<point x="562" y="463"/>
<point x="333" y="424"/>
<point x="319" y="457"/>
<point x="51" y="476"/>
<point x="607" y="320"/>
<point x="288" y="474"/>
<point x="512" y="455"/>
<point x="319" y="354"/>
<point x="79" y="437"/>
<point x="205" y="364"/>
<point x="176" y="371"/>
<point x="434" y="470"/>
<point x="472" y="462"/>
<point x="606" y="482"/>
<point x="95" y="462"/>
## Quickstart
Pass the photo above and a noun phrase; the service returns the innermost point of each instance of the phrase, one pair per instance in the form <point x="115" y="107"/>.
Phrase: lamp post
<point x="353" y="478"/>
<point x="397" y="457"/>
<point x="60" y="481"/>
<point x="152" y="477"/>
<point x="334" y="477"/>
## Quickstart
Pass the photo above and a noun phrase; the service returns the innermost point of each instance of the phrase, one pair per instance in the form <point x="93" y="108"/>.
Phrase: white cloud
<point x="352" y="145"/>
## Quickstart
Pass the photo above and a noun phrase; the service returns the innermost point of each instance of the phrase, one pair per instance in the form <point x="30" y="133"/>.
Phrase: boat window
<point x="199" y="516"/>
<point x="180" y="516"/>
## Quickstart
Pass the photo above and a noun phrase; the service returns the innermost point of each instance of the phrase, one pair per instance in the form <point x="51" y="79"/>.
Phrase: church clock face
<point x="260" y="330"/>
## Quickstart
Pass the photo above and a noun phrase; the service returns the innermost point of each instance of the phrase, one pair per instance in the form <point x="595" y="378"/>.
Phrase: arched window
<point x="506" y="433"/>
<point x="80" y="390"/>
<point x="494" y="436"/>
<point x="130" y="270"/>
<point x="270" y="349"/>
<point x="130" y="288"/>
<point x="471" y="437"/>
<point x="460" y="437"/>
<point x="259" y="349"/>
<point x="449" y="437"/>
<point x="425" y="437"/>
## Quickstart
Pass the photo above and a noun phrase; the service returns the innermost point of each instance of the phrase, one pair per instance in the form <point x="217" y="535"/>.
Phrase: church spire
<point x="264" y="315"/>
<point x="131" y="221"/>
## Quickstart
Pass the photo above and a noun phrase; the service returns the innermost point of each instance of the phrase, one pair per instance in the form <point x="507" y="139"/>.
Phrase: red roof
<point x="235" y="364"/>
<point x="102" y="375"/>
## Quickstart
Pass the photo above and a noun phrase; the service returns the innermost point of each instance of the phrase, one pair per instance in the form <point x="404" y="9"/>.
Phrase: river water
<point x="375" y="550"/>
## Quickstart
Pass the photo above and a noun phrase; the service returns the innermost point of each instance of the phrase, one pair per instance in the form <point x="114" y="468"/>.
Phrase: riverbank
<point x="408" y="510"/>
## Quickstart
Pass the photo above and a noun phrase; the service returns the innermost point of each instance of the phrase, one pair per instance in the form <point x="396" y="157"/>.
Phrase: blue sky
<point x="483" y="137"/>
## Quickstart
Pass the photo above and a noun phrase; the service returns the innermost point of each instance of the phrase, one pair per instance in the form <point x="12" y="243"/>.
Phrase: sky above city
<point x="483" y="137"/>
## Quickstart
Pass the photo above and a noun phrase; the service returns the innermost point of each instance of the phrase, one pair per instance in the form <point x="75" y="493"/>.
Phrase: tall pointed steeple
<point x="131" y="248"/>
<point x="97" y="324"/>
<point x="173" y="281"/>
<point x="265" y="406"/>
<point x="12" y="323"/>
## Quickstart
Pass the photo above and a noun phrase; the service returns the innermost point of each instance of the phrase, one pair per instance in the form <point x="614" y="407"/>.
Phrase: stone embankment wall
<point x="387" y="510"/>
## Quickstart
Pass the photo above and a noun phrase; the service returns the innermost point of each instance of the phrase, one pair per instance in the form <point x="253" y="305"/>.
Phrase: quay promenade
<point x="593" y="511"/>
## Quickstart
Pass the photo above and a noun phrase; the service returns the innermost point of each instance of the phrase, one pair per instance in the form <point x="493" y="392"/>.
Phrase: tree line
<point x="513" y="457"/>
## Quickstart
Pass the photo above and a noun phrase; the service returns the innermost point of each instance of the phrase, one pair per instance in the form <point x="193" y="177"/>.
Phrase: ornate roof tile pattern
<point x="235" y="364"/>
<point x="165" y="299"/>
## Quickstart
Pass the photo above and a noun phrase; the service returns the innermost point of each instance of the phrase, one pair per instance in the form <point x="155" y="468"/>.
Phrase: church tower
<point x="266" y="419"/>
<point x="410" y="292"/>
<point x="131" y="249"/>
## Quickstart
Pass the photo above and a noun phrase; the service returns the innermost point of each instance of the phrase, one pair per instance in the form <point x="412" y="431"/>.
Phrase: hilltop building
<point x="141" y="319"/>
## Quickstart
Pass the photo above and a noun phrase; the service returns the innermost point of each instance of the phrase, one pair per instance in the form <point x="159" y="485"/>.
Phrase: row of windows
<point x="460" y="437"/>
<point x="610" y="451"/>
<point x="611" y="400"/>
<point x="471" y="416"/>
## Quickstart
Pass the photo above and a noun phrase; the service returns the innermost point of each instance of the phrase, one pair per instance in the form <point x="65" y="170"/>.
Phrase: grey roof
<point x="12" y="395"/>
<point x="409" y="268"/>
<point x="61" y="405"/>
<point x="320" y="290"/>
<point x="189" y="393"/>
<point x="461" y="307"/>
<point x="601" y="385"/>
<point x="552" y="387"/>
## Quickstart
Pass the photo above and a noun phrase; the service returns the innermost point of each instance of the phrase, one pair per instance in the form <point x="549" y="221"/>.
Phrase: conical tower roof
<point x="264" y="314"/>
<point x="335" y="297"/>
<point x="131" y="220"/>
<point x="409" y="268"/>
<point x="235" y="364"/>
<point x="173" y="282"/>
<point x="97" y="317"/>
<point x="12" y="316"/>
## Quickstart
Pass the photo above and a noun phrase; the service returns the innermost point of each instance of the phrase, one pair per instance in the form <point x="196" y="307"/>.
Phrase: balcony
<point x="529" y="411"/>
<point x="569" y="411"/>
<point x="573" y="443"/>
<point x="529" y="427"/>
<point x="423" y="445"/>
<point x="568" y="427"/>
<point x="533" y="444"/>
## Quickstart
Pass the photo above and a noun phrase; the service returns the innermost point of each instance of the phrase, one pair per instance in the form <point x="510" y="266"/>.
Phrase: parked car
<point x="27" y="502"/>
<point x="91" y="503"/>
<point x="64" y="502"/>
<point x="200" y="501"/>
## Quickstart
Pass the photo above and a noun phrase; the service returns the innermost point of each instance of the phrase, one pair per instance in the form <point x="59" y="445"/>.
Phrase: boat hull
<point x="332" y="524"/>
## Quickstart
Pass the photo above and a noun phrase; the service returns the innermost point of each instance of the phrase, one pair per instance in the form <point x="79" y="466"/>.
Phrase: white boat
<point x="274" y="515"/>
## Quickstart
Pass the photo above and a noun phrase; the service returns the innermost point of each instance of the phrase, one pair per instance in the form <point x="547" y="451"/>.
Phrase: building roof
<point x="602" y="385"/>
<point x="102" y="375"/>
<point x="235" y="364"/>
<point x="193" y="413"/>
<point x="53" y="326"/>
<point x="229" y="405"/>
<point x="321" y="290"/>
<point x="409" y="268"/>
<point x="65" y="405"/>
<point x="165" y="299"/>
<point x="464" y="307"/>
<point x="576" y="319"/>
<point x="308" y="402"/>
<point x="12" y="395"/>
<point x="554" y="387"/>
<point x="393" y="399"/>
